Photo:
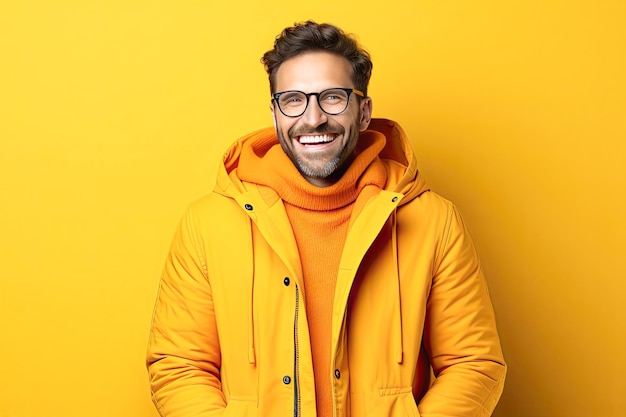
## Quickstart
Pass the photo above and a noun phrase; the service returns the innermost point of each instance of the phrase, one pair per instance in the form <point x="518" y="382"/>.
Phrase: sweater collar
<point x="271" y="167"/>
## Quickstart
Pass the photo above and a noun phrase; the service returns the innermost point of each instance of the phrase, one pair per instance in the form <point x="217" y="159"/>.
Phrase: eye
<point x="334" y="97"/>
<point x="291" y="99"/>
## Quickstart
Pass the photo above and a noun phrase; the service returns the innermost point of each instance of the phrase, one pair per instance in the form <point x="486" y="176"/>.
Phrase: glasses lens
<point x="333" y="101"/>
<point x="292" y="103"/>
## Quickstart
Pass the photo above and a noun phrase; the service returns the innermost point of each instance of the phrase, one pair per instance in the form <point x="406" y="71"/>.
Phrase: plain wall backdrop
<point x="114" y="115"/>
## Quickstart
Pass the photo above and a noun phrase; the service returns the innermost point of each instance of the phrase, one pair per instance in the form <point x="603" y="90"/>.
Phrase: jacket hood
<point x="403" y="178"/>
<point x="403" y="175"/>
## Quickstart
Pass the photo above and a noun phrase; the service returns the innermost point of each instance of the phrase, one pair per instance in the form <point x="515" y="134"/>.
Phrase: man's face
<point x="320" y="145"/>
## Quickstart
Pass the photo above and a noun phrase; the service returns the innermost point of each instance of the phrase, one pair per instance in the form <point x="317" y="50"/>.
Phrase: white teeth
<point x="313" y="139"/>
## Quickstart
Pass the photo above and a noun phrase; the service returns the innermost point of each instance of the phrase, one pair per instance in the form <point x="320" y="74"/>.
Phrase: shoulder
<point x="214" y="213"/>
<point x="428" y="204"/>
<point x="212" y="205"/>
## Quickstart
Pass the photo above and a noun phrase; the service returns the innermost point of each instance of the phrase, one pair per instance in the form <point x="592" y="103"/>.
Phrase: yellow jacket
<point x="230" y="338"/>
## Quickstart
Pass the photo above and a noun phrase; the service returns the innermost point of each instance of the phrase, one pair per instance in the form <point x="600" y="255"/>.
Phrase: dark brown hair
<point x="310" y="36"/>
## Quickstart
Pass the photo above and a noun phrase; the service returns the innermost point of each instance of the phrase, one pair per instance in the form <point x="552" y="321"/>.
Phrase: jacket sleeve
<point x="183" y="357"/>
<point x="460" y="333"/>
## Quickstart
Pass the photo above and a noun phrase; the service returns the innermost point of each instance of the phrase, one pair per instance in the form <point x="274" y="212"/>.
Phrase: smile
<point x="316" y="139"/>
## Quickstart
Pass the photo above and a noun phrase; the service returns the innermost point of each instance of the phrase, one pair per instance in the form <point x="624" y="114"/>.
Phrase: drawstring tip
<point x="251" y="356"/>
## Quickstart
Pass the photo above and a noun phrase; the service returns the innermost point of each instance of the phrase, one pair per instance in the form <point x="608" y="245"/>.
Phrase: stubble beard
<point x="308" y="168"/>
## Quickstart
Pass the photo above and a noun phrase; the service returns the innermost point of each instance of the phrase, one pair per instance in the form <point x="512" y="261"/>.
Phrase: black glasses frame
<point x="348" y="91"/>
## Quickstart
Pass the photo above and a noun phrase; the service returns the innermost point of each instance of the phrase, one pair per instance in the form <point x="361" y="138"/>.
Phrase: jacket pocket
<point x="397" y="402"/>
<point x="410" y="405"/>
<point x="240" y="408"/>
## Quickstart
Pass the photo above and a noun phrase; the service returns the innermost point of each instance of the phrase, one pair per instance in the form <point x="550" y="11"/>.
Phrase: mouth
<point x="316" y="140"/>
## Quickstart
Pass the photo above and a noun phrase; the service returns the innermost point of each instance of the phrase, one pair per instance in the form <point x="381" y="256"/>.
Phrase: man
<point x="322" y="277"/>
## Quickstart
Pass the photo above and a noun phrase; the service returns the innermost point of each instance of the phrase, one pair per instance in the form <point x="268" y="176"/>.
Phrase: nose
<point x="314" y="115"/>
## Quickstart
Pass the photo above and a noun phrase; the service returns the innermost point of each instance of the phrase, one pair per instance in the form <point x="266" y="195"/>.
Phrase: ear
<point x="365" y="109"/>
<point x="273" y="115"/>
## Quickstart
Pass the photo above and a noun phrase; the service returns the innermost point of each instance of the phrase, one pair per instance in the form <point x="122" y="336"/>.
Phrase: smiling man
<point x="322" y="277"/>
<point x="319" y="139"/>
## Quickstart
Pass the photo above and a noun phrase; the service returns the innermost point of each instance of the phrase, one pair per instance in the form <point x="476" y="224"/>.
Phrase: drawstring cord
<point x="251" y="351"/>
<point x="398" y="310"/>
<point x="251" y="348"/>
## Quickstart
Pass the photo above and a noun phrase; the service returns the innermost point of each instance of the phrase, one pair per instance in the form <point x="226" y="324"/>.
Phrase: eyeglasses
<point x="333" y="101"/>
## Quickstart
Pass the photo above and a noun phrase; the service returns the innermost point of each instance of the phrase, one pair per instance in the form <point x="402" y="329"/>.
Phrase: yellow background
<point x="113" y="115"/>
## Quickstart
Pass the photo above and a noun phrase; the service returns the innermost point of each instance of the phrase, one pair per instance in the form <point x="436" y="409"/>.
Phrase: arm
<point x="183" y="356"/>
<point x="460" y="332"/>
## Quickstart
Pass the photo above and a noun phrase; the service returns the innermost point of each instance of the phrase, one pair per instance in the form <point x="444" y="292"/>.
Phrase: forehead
<point x="313" y="72"/>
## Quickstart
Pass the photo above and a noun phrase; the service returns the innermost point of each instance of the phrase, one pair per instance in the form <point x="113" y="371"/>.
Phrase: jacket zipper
<point x="296" y="374"/>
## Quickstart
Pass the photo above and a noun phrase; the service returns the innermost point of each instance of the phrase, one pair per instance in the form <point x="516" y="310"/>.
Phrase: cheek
<point x="283" y="126"/>
<point x="278" y="122"/>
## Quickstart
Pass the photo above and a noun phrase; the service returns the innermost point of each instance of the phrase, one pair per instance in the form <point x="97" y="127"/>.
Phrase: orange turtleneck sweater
<point x="319" y="218"/>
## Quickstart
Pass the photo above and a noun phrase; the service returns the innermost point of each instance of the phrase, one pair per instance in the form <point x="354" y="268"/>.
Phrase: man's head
<point x="310" y="36"/>
<point x="319" y="132"/>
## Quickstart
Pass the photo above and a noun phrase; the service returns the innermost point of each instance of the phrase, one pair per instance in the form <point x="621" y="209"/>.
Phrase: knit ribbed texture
<point x="320" y="218"/>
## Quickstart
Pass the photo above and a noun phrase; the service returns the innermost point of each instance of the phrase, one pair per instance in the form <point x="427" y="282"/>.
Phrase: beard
<point x="321" y="166"/>
<point x="318" y="172"/>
